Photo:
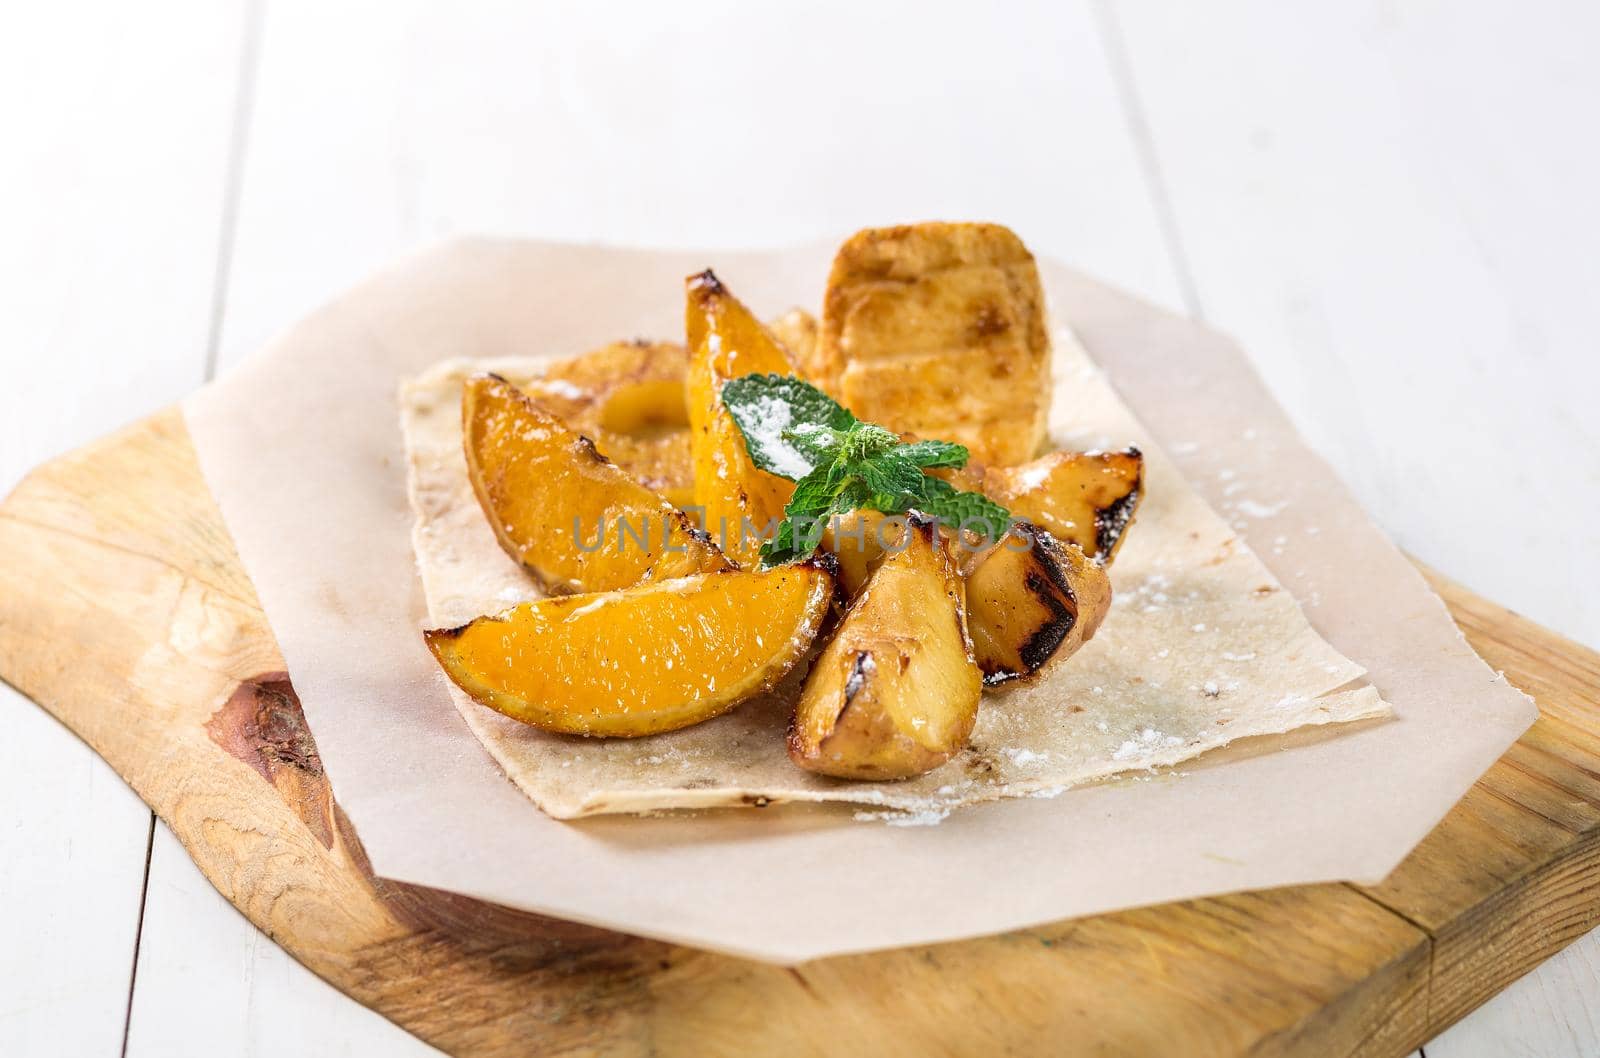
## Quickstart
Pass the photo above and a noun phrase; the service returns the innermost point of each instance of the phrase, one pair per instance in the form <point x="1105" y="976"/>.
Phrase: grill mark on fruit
<point x="861" y="670"/>
<point x="1049" y="636"/>
<point x="263" y="725"/>
<point x="1111" y="521"/>
<point x="1047" y="582"/>
<point x="1042" y="543"/>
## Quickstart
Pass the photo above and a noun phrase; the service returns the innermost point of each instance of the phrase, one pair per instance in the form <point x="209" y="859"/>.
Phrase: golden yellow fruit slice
<point x="741" y="504"/>
<point x="571" y="517"/>
<point x="895" y="693"/>
<point x="654" y="658"/>
<point x="628" y="398"/>
<point x="1032" y="602"/>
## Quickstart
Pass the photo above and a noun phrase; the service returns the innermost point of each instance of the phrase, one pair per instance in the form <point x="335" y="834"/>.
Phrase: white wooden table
<point x="1393" y="204"/>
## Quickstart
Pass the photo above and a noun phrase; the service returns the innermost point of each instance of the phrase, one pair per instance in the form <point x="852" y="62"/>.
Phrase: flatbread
<point x="1202" y="647"/>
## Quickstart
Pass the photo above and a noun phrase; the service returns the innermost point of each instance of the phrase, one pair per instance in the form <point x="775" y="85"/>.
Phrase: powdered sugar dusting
<point x="1251" y="509"/>
<point x="771" y="418"/>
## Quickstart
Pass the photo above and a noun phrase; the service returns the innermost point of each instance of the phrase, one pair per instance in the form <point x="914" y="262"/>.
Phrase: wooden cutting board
<point x="124" y="612"/>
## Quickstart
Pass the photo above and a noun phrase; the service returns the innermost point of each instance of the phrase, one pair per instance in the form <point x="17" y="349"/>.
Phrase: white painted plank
<point x="111" y="174"/>
<point x="210" y="983"/>
<point x="72" y="859"/>
<point x="1551" y="1013"/>
<point x="111" y="184"/>
<point x="1393" y="206"/>
<point x="381" y="126"/>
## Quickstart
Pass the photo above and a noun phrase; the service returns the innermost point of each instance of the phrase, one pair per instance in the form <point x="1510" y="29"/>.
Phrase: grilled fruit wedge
<point x="654" y="658"/>
<point x="725" y="342"/>
<point x="938" y="330"/>
<point x="895" y="693"/>
<point x="1031" y="603"/>
<point x="797" y="330"/>
<point x="571" y="517"/>
<point x="628" y="398"/>
<point x="1083" y="498"/>
<point x="858" y="541"/>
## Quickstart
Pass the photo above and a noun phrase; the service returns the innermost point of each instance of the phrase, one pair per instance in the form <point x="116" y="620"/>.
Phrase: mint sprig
<point x="790" y="427"/>
<point x="841" y="464"/>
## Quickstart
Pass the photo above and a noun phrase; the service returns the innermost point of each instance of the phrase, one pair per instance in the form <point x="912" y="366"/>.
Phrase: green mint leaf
<point x="782" y="548"/>
<point x="891" y="475"/>
<point x="840" y="464"/>
<point x="804" y="519"/>
<point x="934" y="453"/>
<point x="813" y="495"/>
<point x="868" y="440"/>
<point x="970" y="511"/>
<point x="854" y="495"/>
<point x="780" y="417"/>
<point x="820" y="444"/>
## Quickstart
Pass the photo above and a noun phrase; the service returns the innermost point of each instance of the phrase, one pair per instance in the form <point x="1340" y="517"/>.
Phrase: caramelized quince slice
<point x="895" y="693"/>
<point x="570" y="516"/>
<point x="1032" y="602"/>
<point x="1083" y="498"/>
<point x="858" y="541"/>
<point x="938" y="330"/>
<point x="741" y="504"/>
<point x="638" y="662"/>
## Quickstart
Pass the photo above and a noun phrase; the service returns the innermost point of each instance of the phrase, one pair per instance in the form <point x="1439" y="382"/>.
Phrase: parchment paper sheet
<point x="303" y="451"/>
<point x="1202" y="647"/>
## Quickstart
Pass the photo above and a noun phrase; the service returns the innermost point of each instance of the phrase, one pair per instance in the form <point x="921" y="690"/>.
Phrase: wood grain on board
<point x="124" y="611"/>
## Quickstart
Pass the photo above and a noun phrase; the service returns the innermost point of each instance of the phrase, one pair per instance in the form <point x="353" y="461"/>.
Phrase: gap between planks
<point x="233" y="182"/>
<point x="1144" y="143"/>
